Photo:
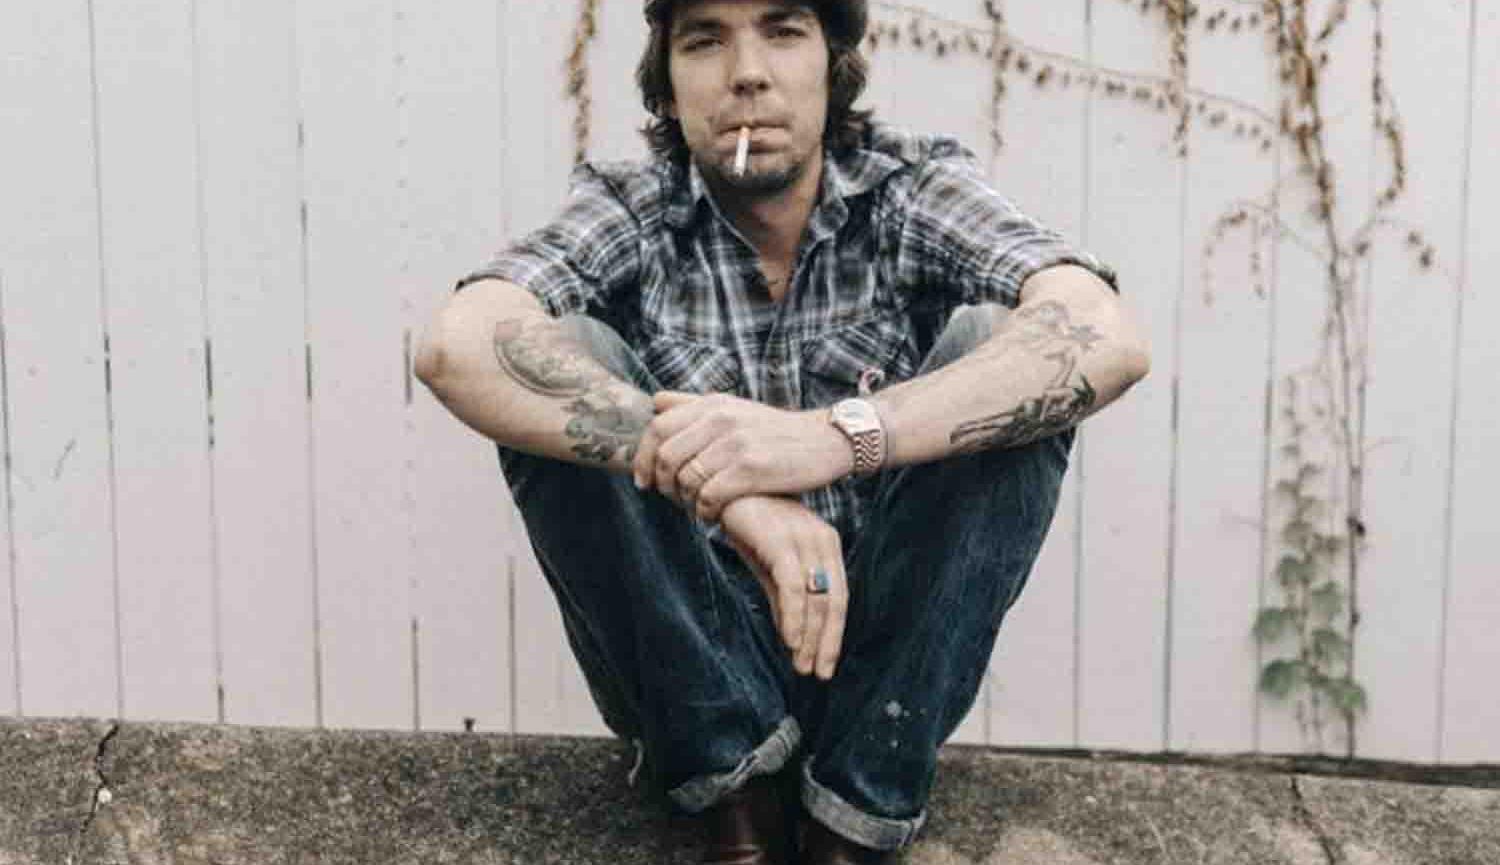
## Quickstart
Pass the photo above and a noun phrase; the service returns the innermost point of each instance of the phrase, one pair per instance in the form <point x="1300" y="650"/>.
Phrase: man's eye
<point x="699" y="44"/>
<point x="788" y="33"/>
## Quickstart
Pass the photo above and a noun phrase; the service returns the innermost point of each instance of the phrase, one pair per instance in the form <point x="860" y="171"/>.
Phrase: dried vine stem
<point x="578" y="77"/>
<point x="1178" y="12"/>
<point x="1342" y="372"/>
<point x="1015" y="58"/>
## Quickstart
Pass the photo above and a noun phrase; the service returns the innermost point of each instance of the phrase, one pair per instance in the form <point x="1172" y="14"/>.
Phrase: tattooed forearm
<point x="1035" y="418"/>
<point x="605" y="427"/>
<point x="606" y="419"/>
<point x="1044" y="331"/>
<point x="543" y="359"/>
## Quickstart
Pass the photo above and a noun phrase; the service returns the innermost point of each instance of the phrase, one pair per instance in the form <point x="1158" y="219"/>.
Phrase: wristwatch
<point x="859" y="422"/>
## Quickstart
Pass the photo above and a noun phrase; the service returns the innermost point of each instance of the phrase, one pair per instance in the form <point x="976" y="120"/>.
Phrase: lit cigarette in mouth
<point x="742" y="152"/>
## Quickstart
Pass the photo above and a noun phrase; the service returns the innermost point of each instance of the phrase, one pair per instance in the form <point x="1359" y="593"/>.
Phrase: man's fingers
<point x="644" y="465"/>
<point x="816" y="616"/>
<point x="681" y="469"/>
<point x="722" y="488"/>
<point x="682" y="433"/>
<point x="791" y="598"/>
<point x="666" y="400"/>
<point x="830" y="644"/>
<point x="661" y="429"/>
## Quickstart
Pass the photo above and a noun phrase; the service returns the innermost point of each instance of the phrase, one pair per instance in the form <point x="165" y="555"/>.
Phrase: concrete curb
<point x="73" y="792"/>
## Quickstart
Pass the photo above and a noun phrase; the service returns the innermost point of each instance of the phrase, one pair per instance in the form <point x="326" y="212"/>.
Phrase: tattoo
<point x="1045" y="330"/>
<point x="605" y="427"/>
<point x="543" y="359"/>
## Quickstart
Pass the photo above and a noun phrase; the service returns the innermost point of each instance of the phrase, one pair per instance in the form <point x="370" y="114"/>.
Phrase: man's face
<point x="756" y="63"/>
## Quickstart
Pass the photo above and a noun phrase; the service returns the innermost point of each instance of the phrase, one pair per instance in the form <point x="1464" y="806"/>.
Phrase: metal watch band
<point x="860" y="423"/>
<point x="869" y="451"/>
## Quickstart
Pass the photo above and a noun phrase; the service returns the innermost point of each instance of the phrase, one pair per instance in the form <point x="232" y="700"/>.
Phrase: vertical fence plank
<point x="1223" y="385"/>
<point x="60" y="480"/>
<point x="1301" y="303"/>
<point x="1411" y="358"/>
<point x="944" y="84"/>
<point x="616" y="112"/>
<point x="450" y="145"/>
<point x="149" y="180"/>
<point x="253" y="248"/>
<point x="1134" y="223"/>
<point x="550" y="692"/>
<point x="1035" y="666"/>
<point x="10" y="655"/>
<point x="1471" y="707"/>
<point x="347" y="58"/>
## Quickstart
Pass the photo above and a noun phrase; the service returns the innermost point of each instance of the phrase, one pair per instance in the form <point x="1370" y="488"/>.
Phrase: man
<point x="828" y="457"/>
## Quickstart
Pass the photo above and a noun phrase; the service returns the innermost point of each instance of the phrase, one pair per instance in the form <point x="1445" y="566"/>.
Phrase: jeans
<point x="676" y="640"/>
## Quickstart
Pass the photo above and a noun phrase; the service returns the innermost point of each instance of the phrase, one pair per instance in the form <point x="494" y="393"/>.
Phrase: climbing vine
<point x="1321" y="466"/>
<point x="578" y="90"/>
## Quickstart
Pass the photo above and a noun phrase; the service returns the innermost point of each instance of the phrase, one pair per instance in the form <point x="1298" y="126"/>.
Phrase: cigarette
<point x="742" y="152"/>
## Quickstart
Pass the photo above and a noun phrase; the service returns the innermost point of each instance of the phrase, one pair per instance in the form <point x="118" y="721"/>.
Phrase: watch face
<point x="855" y="415"/>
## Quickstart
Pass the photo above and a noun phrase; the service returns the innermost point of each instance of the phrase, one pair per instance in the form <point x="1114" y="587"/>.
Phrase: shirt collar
<point x="851" y="175"/>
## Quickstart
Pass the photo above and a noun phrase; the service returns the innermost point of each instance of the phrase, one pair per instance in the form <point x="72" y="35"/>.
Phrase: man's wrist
<point x="838" y="445"/>
<point x="859" y="422"/>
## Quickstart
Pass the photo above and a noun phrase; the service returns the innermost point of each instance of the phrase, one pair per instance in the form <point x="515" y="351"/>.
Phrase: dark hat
<point x="844" y="20"/>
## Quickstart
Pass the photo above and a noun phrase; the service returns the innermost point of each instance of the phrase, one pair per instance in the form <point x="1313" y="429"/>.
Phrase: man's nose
<point x="750" y="74"/>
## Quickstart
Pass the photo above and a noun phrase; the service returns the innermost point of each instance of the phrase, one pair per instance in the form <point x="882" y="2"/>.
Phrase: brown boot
<point x="747" y="827"/>
<point x="822" y="846"/>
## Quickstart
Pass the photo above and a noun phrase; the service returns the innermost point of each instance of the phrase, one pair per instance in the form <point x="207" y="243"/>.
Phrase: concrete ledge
<point x="74" y="792"/>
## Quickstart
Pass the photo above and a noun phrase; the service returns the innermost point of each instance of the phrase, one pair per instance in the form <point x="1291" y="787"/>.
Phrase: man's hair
<point x="843" y="23"/>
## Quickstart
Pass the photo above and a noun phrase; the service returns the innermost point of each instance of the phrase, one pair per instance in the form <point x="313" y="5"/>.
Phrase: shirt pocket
<point x="691" y="366"/>
<point x="854" y="360"/>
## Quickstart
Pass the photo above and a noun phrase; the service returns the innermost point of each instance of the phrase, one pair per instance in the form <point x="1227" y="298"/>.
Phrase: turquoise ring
<point x="818" y="585"/>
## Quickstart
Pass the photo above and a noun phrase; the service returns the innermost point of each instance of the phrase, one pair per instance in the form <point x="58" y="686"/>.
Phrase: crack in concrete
<point x="101" y="795"/>
<point x="1305" y="816"/>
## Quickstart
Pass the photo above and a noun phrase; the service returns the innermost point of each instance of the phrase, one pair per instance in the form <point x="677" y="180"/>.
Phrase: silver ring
<point x="817" y="583"/>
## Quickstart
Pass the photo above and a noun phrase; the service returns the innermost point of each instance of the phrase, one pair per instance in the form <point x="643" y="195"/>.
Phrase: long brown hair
<point x="843" y="24"/>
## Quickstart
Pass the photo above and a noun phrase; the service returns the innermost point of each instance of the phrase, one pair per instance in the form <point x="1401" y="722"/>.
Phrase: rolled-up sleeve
<point x="964" y="236"/>
<point x="581" y="259"/>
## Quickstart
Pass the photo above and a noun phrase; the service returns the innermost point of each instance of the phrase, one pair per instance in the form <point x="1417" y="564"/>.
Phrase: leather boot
<point x="822" y="846"/>
<point x="747" y="827"/>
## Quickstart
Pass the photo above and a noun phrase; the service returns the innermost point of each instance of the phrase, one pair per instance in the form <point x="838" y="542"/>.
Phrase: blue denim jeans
<point x="676" y="640"/>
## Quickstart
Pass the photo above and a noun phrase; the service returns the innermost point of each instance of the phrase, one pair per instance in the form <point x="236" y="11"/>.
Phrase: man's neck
<point x="774" y="223"/>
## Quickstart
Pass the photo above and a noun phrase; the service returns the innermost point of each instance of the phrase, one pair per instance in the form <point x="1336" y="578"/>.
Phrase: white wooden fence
<point x="222" y="223"/>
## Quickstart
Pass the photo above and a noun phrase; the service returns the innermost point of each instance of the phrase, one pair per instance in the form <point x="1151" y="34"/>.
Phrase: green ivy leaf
<point x="1272" y="623"/>
<point x="1278" y="678"/>
<point x="1326" y="601"/>
<point x="1348" y="696"/>
<point x="1293" y="571"/>
<point x="1328" y="644"/>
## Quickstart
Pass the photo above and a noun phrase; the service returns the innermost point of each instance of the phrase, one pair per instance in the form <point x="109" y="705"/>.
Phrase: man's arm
<point x="1068" y="349"/>
<point x="507" y="369"/>
<point x="502" y="365"/>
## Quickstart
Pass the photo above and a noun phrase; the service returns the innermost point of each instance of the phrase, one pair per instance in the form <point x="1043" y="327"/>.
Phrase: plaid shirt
<point x="905" y="229"/>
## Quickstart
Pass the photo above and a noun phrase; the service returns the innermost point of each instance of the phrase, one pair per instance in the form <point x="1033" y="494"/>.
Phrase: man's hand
<point x="792" y="550"/>
<point x="707" y="451"/>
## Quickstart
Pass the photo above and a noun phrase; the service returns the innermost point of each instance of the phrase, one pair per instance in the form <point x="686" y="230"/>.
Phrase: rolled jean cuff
<point x="830" y="809"/>
<point x="702" y="792"/>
